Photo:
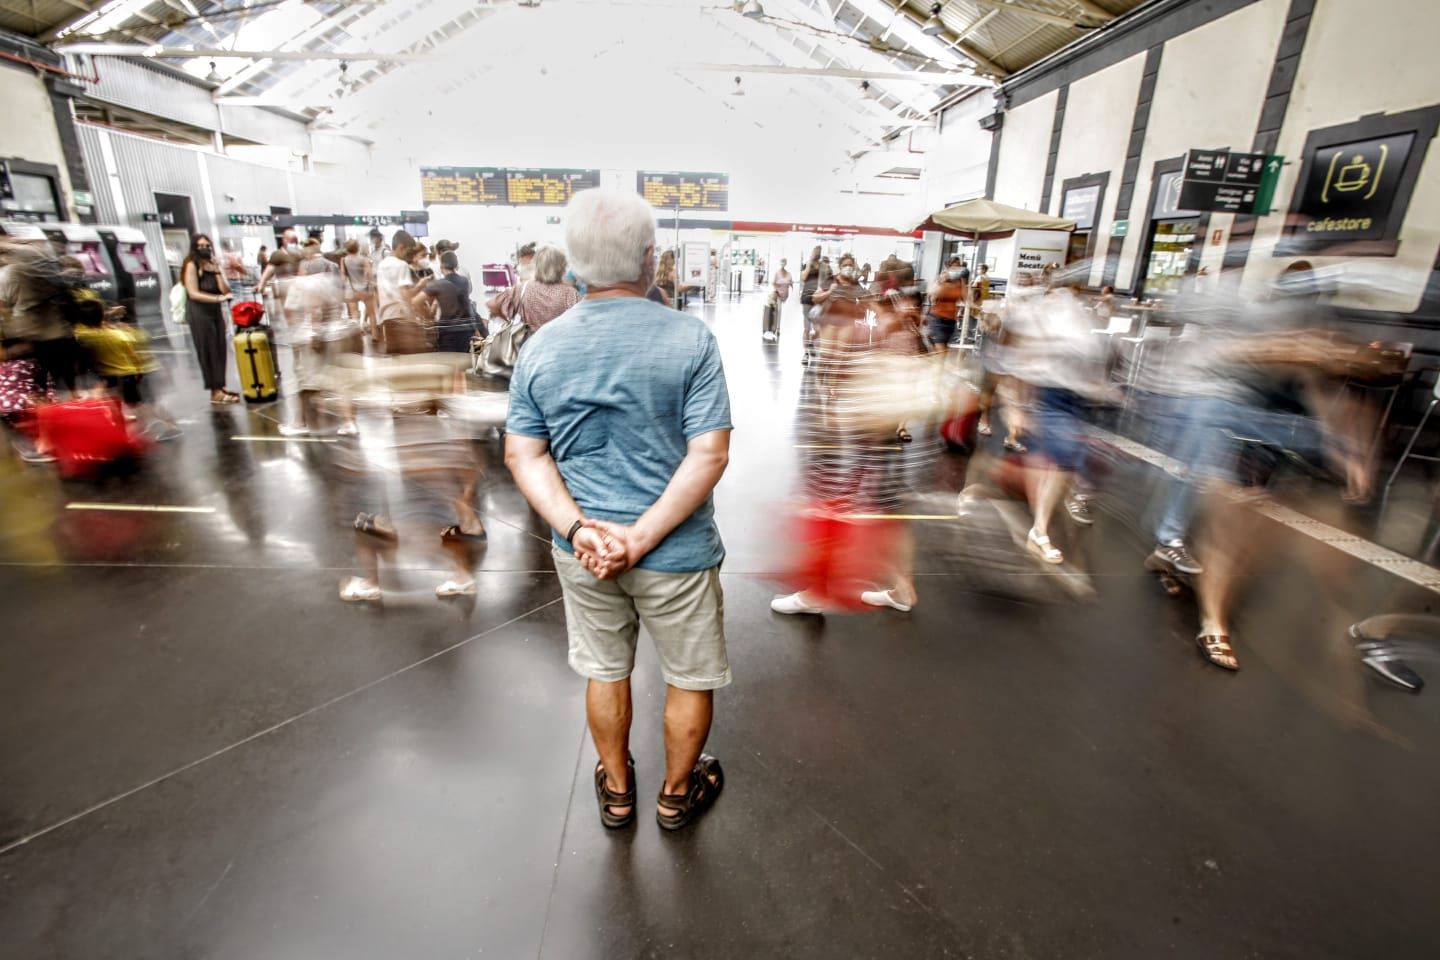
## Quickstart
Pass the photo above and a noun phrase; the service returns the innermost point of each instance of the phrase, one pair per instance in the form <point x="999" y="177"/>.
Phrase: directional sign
<point x="1226" y="182"/>
<point x="250" y="219"/>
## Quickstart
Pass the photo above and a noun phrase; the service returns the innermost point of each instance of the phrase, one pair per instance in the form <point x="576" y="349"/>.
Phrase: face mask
<point x="204" y="252"/>
<point x="955" y="273"/>
<point x="847" y="272"/>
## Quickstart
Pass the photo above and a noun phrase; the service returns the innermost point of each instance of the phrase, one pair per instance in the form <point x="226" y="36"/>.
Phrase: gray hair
<point x="607" y="233"/>
<point x="549" y="264"/>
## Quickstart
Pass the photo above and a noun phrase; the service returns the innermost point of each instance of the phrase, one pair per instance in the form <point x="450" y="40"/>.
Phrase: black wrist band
<point x="570" y="537"/>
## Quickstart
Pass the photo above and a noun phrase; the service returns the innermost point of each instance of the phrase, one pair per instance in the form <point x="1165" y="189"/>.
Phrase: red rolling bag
<point x="86" y="435"/>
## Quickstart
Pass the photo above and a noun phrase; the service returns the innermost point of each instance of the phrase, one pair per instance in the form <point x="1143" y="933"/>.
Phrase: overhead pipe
<point x="52" y="69"/>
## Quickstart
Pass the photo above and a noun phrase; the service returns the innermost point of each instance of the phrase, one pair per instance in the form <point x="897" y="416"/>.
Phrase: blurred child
<point x="119" y="354"/>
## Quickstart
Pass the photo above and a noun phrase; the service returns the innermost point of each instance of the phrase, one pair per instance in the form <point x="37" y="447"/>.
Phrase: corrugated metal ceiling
<point x="998" y="36"/>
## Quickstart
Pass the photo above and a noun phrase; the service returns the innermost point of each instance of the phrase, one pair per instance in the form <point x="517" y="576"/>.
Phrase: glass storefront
<point x="1171" y="243"/>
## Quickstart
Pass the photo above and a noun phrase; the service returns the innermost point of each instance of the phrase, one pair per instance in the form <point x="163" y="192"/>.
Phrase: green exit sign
<point x="1265" y="192"/>
<point x="1119" y="228"/>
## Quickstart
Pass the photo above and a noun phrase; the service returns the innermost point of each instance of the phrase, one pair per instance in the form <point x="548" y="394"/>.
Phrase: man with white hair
<point x="619" y="429"/>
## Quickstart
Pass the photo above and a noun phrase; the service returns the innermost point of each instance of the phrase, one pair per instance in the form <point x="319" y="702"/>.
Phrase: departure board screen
<point x="501" y="186"/>
<point x="688" y="191"/>
<point x="547" y="188"/>
<point x="482" y="185"/>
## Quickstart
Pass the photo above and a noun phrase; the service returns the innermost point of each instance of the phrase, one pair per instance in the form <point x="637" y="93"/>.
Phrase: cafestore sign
<point x="1355" y="186"/>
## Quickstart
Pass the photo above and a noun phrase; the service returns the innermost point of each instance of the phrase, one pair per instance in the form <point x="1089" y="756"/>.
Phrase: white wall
<point x="1096" y="133"/>
<point x="30" y="132"/>
<point x="1209" y="93"/>
<point x="1349" y="70"/>
<point x="1024" y="148"/>
<point x="955" y="167"/>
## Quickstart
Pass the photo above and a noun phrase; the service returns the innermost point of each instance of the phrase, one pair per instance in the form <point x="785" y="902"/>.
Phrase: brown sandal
<point x="706" y="781"/>
<point x="608" y="798"/>
<point x="1216" y="648"/>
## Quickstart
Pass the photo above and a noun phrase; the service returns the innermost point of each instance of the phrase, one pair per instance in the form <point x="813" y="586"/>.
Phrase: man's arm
<point x="539" y="480"/>
<point x="706" y="458"/>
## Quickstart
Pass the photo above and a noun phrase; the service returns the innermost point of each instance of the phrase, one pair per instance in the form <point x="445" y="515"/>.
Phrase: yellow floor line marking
<point x="138" y="507"/>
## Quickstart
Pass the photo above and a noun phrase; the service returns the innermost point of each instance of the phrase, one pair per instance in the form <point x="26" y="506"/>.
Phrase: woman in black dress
<point x="206" y="290"/>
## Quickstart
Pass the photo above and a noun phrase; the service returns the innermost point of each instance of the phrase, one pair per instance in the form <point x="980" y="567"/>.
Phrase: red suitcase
<point x="959" y="432"/>
<point x="86" y="435"/>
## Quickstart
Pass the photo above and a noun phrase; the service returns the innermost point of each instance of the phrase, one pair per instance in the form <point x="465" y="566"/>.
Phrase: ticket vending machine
<point x="22" y="232"/>
<point x="84" y="244"/>
<point x="137" y="276"/>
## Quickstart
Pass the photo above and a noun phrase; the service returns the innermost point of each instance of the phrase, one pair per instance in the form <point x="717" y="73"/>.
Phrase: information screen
<point x="500" y="186"/>
<point x="688" y="191"/>
<point x="547" y="188"/>
<point x="481" y="185"/>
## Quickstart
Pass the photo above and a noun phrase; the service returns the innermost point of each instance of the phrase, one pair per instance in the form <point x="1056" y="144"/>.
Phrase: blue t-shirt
<point x="619" y="387"/>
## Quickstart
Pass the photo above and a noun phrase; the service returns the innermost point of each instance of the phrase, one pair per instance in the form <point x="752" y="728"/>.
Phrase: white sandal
<point x="1043" y="548"/>
<point x="356" y="590"/>
<point x="884" y="598"/>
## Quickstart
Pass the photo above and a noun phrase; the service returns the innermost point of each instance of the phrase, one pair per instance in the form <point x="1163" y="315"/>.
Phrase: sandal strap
<point x="611" y="798"/>
<point x="1216" y="642"/>
<point x="700" y="786"/>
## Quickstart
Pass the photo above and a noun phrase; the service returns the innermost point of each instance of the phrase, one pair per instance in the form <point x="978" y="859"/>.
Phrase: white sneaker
<point x="347" y="429"/>
<point x="883" y="598"/>
<point x="356" y="590"/>
<point x="794" y="603"/>
<point x="452" y="588"/>
<point x="286" y="430"/>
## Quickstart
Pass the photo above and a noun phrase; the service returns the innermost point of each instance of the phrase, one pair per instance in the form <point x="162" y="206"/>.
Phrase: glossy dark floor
<point x="206" y="754"/>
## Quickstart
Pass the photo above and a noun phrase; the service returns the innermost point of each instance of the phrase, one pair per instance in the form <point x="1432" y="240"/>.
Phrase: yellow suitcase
<point x="255" y="359"/>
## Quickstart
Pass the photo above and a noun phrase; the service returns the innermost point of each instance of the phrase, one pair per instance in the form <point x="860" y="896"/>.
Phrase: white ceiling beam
<point x="315" y="30"/>
<point x="86" y="12"/>
<point x="769" y="41"/>
<point x="924" y="77"/>
<point x="850" y="54"/>
<point x="937" y="46"/>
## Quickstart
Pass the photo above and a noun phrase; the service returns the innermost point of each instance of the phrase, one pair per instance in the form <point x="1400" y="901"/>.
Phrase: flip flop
<point x="365" y="523"/>
<point x="453" y="532"/>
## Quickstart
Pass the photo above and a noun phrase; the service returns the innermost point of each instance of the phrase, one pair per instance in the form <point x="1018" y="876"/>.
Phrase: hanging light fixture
<point x="752" y="9"/>
<point x="739" y="91"/>
<point x="214" y="75"/>
<point x="933" y="27"/>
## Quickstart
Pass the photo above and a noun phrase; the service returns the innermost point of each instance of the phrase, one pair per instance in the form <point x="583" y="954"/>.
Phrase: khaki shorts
<point x="684" y="613"/>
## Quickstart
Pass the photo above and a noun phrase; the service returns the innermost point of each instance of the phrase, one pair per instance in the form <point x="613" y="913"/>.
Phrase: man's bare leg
<point x="687" y="726"/>
<point x="608" y="710"/>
